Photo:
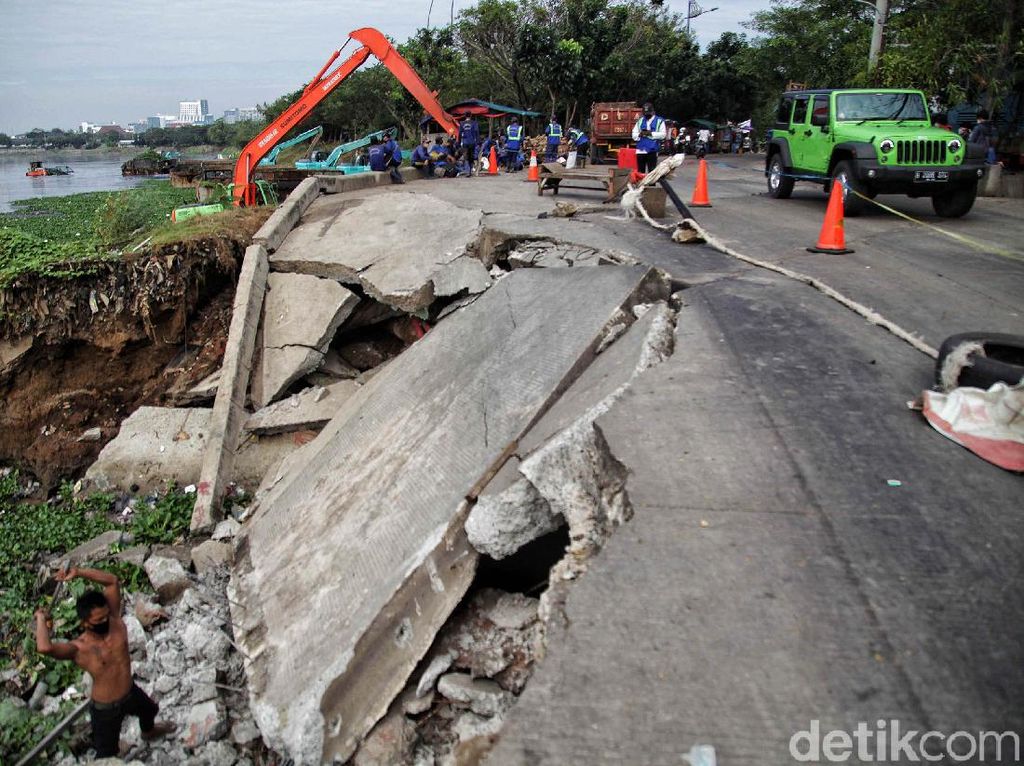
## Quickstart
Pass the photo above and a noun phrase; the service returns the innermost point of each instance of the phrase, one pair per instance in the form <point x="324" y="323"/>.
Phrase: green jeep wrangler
<point x="874" y="142"/>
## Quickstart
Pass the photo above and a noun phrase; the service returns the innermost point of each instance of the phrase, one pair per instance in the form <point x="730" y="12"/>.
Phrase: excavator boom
<point x="373" y="42"/>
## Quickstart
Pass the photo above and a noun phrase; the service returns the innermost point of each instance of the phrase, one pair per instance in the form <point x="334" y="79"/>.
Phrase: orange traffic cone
<point x="492" y="163"/>
<point x="534" y="174"/>
<point x="700" y="190"/>
<point x="833" y="237"/>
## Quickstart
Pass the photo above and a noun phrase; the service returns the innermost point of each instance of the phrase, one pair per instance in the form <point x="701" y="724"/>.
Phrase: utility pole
<point x="877" y="33"/>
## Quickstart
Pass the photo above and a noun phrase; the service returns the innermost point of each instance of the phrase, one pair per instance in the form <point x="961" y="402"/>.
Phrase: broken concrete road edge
<point x="380" y="498"/>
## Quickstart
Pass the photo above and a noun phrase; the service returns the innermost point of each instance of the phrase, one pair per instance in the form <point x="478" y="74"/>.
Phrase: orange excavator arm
<point x="373" y="42"/>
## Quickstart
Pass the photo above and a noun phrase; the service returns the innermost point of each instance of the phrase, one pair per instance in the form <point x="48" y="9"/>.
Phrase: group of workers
<point x="467" y="152"/>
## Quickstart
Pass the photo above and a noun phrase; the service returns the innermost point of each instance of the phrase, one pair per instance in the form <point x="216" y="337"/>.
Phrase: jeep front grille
<point x="921" y="152"/>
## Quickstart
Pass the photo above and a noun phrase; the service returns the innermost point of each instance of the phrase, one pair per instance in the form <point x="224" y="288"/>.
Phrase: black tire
<point x="1003" y="360"/>
<point x="957" y="202"/>
<point x="852" y="204"/>
<point x="779" y="186"/>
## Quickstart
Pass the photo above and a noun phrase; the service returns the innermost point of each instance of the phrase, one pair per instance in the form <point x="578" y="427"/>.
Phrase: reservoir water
<point x="101" y="172"/>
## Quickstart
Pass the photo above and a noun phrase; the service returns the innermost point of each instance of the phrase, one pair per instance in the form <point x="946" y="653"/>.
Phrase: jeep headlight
<point x="887" y="145"/>
<point x="954" y="145"/>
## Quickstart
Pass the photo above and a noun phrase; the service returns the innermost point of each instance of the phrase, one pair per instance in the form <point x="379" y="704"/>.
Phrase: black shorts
<point x="107" y="718"/>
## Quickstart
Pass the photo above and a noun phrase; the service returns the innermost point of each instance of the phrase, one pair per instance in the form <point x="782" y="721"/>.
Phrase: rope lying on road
<point x="632" y="196"/>
<point x="869" y="314"/>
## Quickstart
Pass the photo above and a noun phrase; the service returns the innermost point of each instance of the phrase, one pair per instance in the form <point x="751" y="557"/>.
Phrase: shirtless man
<point x="102" y="652"/>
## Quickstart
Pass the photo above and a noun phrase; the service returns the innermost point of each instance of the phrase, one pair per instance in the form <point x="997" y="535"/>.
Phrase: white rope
<point x="870" y="315"/>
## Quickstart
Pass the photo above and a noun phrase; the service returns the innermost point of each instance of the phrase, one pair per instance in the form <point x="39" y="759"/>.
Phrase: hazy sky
<point x="67" y="61"/>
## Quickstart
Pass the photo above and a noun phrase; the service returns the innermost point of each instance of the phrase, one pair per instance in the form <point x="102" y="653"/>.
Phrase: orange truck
<point x="611" y="128"/>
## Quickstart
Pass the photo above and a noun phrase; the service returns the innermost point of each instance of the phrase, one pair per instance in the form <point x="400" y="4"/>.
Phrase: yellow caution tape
<point x="985" y="247"/>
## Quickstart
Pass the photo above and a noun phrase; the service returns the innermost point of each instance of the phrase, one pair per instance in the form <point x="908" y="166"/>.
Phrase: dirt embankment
<point x="139" y="331"/>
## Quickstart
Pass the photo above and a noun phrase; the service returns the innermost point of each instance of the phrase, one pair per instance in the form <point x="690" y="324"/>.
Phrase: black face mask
<point x="100" y="628"/>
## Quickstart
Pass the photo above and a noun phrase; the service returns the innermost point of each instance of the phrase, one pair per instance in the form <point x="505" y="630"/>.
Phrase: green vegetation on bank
<point x="67" y="236"/>
<point x="32" y="535"/>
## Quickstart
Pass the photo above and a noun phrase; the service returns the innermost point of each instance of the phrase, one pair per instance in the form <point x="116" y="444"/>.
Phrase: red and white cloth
<point x="988" y="423"/>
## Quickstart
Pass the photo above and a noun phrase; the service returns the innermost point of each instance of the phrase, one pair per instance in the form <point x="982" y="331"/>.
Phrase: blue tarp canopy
<point x="479" y="108"/>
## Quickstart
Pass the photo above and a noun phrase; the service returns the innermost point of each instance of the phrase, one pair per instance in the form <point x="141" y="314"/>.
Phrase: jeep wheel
<point x="955" y="203"/>
<point x="779" y="186"/>
<point x="853" y="205"/>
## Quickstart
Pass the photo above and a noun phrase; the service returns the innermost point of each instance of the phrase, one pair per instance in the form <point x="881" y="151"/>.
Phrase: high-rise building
<point x="250" y="113"/>
<point x="160" y="120"/>
<point x="193" y="111"/>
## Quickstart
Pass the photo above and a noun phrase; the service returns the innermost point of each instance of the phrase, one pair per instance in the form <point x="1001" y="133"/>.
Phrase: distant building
<point x="106" y="130"/>
<point x="88" y="127"/>
<point x="193" y="112"/>
<point x="230" y="116"/>
<point x="249" y="114"/>
<point x="160" y="120"/>
<point x="138" y="128"/>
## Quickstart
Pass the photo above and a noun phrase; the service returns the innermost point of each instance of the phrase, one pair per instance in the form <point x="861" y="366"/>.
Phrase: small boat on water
<point x="36" y="170"/>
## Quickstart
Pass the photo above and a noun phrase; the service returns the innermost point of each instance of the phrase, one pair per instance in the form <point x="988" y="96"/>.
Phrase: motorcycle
<point x="702" y="149"/>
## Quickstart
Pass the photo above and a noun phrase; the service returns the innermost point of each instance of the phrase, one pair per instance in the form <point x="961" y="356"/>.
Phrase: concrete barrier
<point x="229" y="413"/>
<point x="283" y="220"/>
<point x="338" y="183"/>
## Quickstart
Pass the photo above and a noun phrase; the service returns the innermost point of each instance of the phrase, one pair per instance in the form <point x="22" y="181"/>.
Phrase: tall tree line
<point x="562" y="55"/>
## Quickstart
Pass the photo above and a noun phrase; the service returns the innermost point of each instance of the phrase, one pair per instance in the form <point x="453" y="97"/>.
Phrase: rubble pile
<point x="183" y="656"/>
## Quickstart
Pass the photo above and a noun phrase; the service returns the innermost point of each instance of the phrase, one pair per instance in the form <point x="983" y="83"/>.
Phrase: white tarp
<point x="988" y="423"/>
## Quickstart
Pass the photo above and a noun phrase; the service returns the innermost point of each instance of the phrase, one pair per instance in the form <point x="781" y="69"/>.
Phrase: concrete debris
<point x="210" y="555"/>
<point x="484" y="697"/>
<point x="414" y="705"/>
<point x="417" y="450"/>
<point x="91" y="435"/>
<point x="369" y="242"/>
<point x="226" y="530"/>
<point x="300" y="316"/>
<point x="390" y="742"/>
<point x="205" y="722"/>
<point x="136" y="555"/>
<point x="244" y="732"/>
<point x="567" y="471"/>
<point x="504" y="233"/>
<point x="157" y="445"/>
<point x="311" y="408"/>
<point x="368" y="312"/>
<point x="470" y="727"/>
<point x="503" y="522"/>
<point x="167" y="576"/>
<point x="204" y="391"/>
<point x="463" y="275"/>
<point x="96" y="549"/>
<point x="454" y="306"/>
<point x="437" y="667"/>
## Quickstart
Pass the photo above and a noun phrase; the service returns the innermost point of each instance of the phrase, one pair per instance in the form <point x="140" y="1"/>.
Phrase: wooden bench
<point x="610" y="180"/>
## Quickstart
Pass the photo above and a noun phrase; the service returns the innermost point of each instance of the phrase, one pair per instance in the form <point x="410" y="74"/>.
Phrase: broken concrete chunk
<point x="300" y="316"/>
<point x="206" y="721"/>
<point x="435" y="669"/>
<point x="463" y="275"/>
<point x="160" y="444"/>
<point x="97" y="548"/>
<point x="390" y="742"/>
<point x="167" y="576"/>
<point x="413" y="704"/>
<point x="226" y="529"/>
<point x="135" y="555"/>
<point x="379" y="499"/>
<point x="311" y="408"/>
<point x="91" y="435"/>
<point x="502" y="523"/>
<point x="484" y="697"/>
<point x="210" y="555"/>
<point x="373" y="245"/>
<point x="204" y="391"/>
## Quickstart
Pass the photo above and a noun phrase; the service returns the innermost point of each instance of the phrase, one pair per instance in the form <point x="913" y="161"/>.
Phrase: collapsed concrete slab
<point x="378" y="244"/>
<point x="357" y="556"/>
<point x="161" y="444"/>
<point x="300" y="316"/>
<point x="311" y="408"/>
<point x="563" y="471"/>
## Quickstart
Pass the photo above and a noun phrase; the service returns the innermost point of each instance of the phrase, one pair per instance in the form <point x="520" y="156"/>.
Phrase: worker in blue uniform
<point x="513" y="143"/>
<point x="648" y="133"/>
<point x="387" y="156"/>
<point x="554" y="133"/>
<point x="421" y="158"/>
<point x="469" y="134"/>
<point x="579" y="143"/>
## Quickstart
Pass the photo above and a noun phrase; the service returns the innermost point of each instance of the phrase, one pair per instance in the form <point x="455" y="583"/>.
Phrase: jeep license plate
<point x="926" y="176"/>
